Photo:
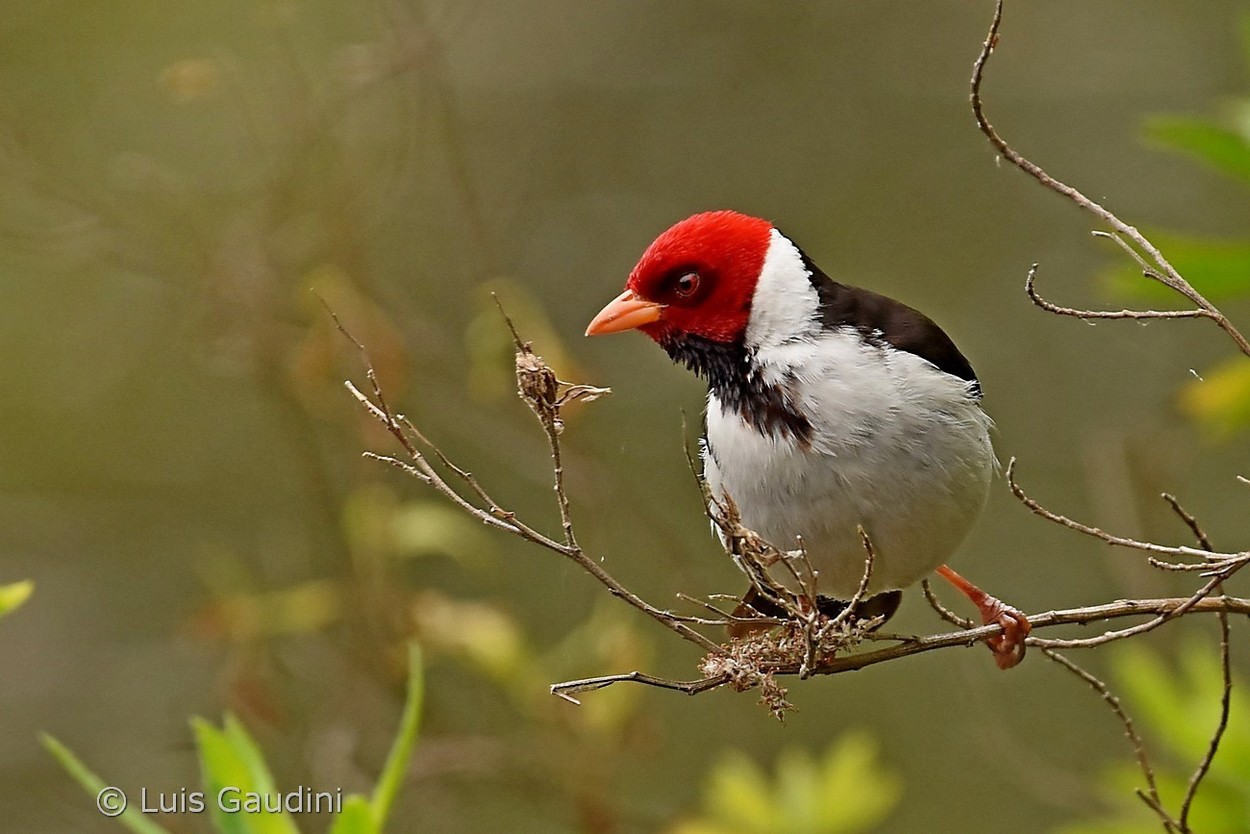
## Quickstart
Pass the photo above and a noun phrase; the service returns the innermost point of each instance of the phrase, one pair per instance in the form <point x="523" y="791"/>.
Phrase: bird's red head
<point x="696" y="279"/>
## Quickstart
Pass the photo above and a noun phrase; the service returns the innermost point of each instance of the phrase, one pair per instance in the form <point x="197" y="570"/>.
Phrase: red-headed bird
<point x="829" y="408"/>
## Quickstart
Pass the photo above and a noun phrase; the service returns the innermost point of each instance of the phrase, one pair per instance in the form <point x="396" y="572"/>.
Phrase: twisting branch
<point x="1030" y="289"/>
<point x="1211" y="557"/>
<point x="1217" y="567"/>
<point x="1151" y="795"/>
<point x="942" y="611"/>
<point x="1226" y="697"/>
<point x="1179" y="824"/>
<point x="1226" y="670"/>
<point x="1155" y="265"/>
<point x="796" y="638"/>
<point x="913" y="645"/>
<point x="546" y="395"/>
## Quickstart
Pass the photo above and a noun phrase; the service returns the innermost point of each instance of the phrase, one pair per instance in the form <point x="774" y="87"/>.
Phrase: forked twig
<point x="540" y="389"/>
<point x="809" y="643"/>
<point x="1217" y="566"/>
<point x="822" y="640"/>
<point x="1030" y="289"/>
<point x="1210" y="558"/>
<point x="568" y="689"/>
<point x="1151" y="795"/>
<point x="1156" y="265"/>
<point x="942" y="611"/>
<point x="1226" y="671"/>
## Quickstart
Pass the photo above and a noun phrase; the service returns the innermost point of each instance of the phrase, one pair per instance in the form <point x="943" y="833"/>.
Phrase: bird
<point x="830" y="409"/>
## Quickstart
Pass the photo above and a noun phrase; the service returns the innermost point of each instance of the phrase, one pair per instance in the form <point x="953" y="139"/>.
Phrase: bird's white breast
<point x="896" y="446"/>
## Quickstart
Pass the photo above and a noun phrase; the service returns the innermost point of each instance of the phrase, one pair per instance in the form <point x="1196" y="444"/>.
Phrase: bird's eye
<point x="686" y="285"/>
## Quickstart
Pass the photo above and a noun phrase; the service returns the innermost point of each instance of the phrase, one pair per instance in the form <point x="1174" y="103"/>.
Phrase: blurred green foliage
<point x="1219" y="402"/>
<point x="13" y="595"/>
<point x="1180" y="709"/>
<point x="844" y="792"/>
<point x="229" y="757"/>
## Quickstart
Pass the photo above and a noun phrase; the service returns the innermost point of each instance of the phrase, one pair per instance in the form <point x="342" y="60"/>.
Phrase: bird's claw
<point x="1008" y="647"/>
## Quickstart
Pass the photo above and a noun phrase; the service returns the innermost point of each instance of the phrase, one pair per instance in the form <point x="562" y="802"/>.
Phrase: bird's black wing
<point x="892" y="322"/>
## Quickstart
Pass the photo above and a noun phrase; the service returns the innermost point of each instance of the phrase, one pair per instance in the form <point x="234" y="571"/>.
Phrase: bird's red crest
<point x="704" y="270"/>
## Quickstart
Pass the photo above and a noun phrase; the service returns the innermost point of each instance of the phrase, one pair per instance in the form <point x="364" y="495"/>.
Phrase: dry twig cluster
<point x="806" y="641"/>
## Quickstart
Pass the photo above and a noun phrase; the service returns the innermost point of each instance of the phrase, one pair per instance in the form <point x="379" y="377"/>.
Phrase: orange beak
<point x="625" y="312"/>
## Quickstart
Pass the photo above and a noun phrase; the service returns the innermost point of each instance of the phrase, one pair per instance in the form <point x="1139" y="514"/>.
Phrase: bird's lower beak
<point x="625" y="312"/>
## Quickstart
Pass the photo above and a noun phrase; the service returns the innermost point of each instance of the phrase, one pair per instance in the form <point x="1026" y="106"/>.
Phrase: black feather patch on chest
<point x="731" y="375"/>
<point x="885" y="321"/>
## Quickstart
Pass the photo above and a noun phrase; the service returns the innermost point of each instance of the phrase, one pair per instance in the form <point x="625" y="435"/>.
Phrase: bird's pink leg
<point x="1008" y="647"/>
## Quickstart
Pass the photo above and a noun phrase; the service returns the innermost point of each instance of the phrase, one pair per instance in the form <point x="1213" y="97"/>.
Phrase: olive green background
<point x="176" y="451"/>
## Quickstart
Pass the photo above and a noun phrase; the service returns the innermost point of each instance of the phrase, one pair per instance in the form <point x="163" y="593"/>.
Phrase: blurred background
<point x="180" y="470"/>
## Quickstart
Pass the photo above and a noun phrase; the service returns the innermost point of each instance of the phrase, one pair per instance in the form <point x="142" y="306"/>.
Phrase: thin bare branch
<point x="568" y="689"/>
<point x="1141" y="628"/>
<point x="1226" y="698"/>
<point x="1192" y="523"/>
<point x="516" y="337"/>
<point x="942" y="611"/>
<point x="1226" y="670"/>
<point x="727" y="617"/>
<point x="420" y="467"/>
<point x="870" y="556"/>
<point x="970" y="637"/>
<point x="1213" y="558"/>
<point x="1151" y="795"/>
<point x="1059" y="310"/>
<point x="1165" y="273"/>
<point x="539" y="387"/>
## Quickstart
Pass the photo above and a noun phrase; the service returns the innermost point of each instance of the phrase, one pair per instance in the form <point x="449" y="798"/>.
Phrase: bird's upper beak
<point x="625" y="312"/>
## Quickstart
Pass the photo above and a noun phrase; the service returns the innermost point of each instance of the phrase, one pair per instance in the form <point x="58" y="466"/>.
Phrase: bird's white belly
<point x="897" y="447"/>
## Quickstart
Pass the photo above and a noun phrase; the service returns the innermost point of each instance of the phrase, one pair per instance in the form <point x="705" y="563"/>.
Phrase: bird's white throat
<point x="785" y="305"/>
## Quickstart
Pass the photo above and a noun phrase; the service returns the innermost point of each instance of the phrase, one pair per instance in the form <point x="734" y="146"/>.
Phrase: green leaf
<point x="737" y="792"/>
<point x="1224" y="149"/>
<point x="1219" y="269"/>
<point x="131" y="818"/>
<point x="845" y="792"/>
<point x="229" y="758"/>
<point x="857" y="792"/>
<point x="401" y="749"/>
<point x="799" y="791"/>
<point x="12" y="596"/>
<point x="355" y="818"/>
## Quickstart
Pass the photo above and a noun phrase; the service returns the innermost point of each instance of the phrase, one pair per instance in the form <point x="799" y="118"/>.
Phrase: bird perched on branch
<point x="829" y="408"/>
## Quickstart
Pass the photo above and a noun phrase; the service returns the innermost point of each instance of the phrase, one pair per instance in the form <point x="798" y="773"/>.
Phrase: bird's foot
<point x="1008" y="647"/>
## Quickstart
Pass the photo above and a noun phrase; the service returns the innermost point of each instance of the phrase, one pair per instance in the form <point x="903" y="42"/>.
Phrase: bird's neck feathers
<point x="785" y="307"/>
<point x="784" y="310"/>
<point x="784" y="313"/>
<point x="750" y="374"/>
